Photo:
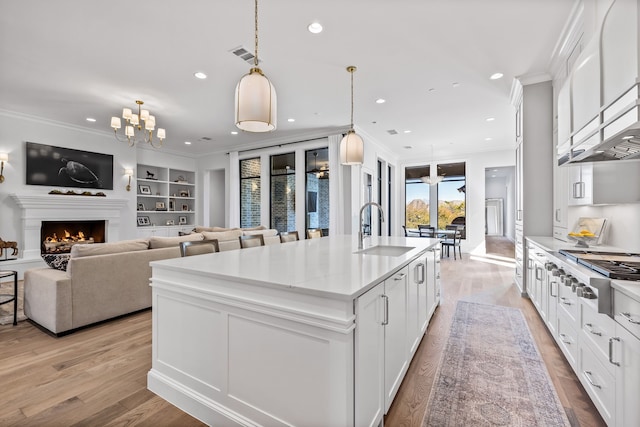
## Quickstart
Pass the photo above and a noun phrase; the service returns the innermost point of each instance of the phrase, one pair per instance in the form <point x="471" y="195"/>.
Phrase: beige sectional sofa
<point x="107" y="280"/>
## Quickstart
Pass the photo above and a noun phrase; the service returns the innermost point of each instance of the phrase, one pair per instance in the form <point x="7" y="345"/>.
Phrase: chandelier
<point x="352" y="145"/>
<point x="134" y="121"/>
<point x="255" y="103"/>
<point x="436" y="179"/>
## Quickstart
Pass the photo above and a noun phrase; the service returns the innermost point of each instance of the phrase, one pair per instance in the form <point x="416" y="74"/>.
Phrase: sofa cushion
<point x="200" y="229"/>
<point x="80" y="250"/>
<point x="223" y="236"/>
<point x="265" y="233"/>
<point x="57" y="261"/>
<point x="156" y="242"/>
<point x="260" y="227"/>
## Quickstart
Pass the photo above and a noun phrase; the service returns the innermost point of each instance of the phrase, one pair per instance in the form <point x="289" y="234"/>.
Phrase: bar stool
<point x="7" y="298"/>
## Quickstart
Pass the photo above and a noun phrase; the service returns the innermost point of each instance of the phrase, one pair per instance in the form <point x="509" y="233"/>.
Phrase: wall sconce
<point x="4" y="157"/>
<point x="129" y="173"/>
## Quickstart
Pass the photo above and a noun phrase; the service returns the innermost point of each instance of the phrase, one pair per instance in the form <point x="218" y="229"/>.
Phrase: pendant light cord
<point x="255" y="58"/>
<point x="351" y="72"/>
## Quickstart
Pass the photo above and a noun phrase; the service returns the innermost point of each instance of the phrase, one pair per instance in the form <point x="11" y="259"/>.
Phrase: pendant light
<point x="352" y="145"/>
<point x="435" y="180"/>
<point x="255" y="96"/>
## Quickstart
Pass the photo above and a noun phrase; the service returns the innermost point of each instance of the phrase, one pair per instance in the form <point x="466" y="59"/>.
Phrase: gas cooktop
<point x="615" y="265"/>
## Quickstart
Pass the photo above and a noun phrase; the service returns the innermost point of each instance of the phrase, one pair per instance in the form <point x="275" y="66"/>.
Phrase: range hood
<point x="613" y="135"/>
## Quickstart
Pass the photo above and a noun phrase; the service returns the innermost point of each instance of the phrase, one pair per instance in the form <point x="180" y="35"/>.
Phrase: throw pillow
<point x="156" y="242"/>
<point x="57" y="261"/>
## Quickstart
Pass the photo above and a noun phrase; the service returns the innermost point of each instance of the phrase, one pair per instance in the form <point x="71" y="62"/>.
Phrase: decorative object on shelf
<point x="352" y="145"/>
<point x="144" y="220"/>
<point x="185" y="207"/>
<point x="141" y="206"/>
<point x="73" y="193"/>
<point x="144" y="189"/>
<point x="437" y="179"/>
<point x="129" y="173"/>
<point x="4" y="157"/>
<point x="9" y="245"/>
<point x="182" y="220"/>
<point x="170" y="222"/>
<point x="172" y="205"/>
<point x="181" y="179"/>
<point x="134" y="120"/>
<point x="151" y="175"/>
<point x="184" y="193"/>
<point x="255" y="102"/>
<point x="160" y="206"/>
<point x="65" y="167"/>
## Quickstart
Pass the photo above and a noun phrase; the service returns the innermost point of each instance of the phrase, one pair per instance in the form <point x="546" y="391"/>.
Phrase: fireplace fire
<point x="59" y="236"/>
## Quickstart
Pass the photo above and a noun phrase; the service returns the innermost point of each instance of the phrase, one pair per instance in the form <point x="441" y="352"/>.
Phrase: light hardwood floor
<point x="97" y="376"/>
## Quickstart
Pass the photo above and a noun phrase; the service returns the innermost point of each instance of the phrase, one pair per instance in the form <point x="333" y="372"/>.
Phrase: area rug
<point x="6" y="310"/>
<point x="491" y="373"/>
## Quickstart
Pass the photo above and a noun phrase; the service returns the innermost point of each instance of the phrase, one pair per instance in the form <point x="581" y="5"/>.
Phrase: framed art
<point x="159" y="205"/>
<point x="66" y="167"/>
<point x="141" y="206"/>
<point x="184" y="193"/>
<point x="182" y="220"/>
<point x="144" y="189"/>
<point x="144" y="220"/>
<point x="170" y="222"/>
<point x="185" y="207"/>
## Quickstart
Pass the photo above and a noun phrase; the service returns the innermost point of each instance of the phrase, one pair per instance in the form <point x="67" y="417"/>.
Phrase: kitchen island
<point x="313" y="332"/>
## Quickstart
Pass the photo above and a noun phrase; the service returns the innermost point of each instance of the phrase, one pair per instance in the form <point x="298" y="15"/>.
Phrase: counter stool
<point x="7" y="298"/>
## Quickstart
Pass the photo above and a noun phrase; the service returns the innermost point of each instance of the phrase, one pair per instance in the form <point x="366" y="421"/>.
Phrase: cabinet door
<point x="627" y="378"/>
<point x="433" y="280"/>
<point x="396" y="358"/>
<point x="580" y="185"/>
<point x="585" y="86"/>
<point x="560" y="199"/>
<point x="369" y="357"/>
<point x="519" y="184"/>
<point x="552" y="306"/>
<point x="564" y="113"/>
<point x="417" y="303"/>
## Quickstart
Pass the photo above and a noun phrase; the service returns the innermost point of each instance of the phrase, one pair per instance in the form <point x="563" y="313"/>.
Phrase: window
<point x="416" y="196"/>
<point x="250" y="192"/>
<point x="451" y="193"/>
<point x="283" y="192"/>
<point x="317" y="189"/>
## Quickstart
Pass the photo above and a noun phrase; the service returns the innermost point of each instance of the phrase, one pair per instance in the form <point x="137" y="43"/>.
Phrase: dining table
<point x="414" y="232"/>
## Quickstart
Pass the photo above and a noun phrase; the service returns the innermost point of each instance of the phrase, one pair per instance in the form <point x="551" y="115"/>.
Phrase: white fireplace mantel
<point x="37" y="208"/>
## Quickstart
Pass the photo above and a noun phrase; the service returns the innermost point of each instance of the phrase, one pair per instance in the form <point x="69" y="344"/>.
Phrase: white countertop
<point x="627" y="287"/>
<point x="550" y="244"/>
<point x="327" y="266"/>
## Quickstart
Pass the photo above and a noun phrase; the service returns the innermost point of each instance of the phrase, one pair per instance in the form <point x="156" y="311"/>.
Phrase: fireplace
<point x="58" y="237"/>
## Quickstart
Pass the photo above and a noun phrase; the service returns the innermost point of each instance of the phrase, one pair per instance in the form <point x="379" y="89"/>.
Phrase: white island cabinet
<point x="306" y="333"/>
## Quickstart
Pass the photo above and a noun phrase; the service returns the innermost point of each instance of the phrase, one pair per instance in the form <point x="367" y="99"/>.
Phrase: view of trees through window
<point x="417" y="197"/>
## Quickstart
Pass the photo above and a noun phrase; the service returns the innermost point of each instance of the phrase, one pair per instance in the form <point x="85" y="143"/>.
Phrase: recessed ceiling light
<point x="627" y="137"/>
<point x="407" y="131"/>
<point x="291" y="120"/>
<point x="315" y="28"/>
<point x="490" y="119"/>
<point x="187" y="143"/>
<point x="493" y="176"/>
<point x="496" y="76"/>
<point x="233" y="132"/>
<point x="380" y="101"/>
<point x="200" y="75"/>
<point x="488" y="139"/>
<point x="91" y="119"/>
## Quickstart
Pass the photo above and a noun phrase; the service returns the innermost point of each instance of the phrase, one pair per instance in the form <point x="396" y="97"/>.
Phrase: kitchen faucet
<point x="360" y="233"/>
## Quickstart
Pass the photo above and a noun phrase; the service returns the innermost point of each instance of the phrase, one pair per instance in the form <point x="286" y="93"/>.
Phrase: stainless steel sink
<point x="384" y="250"/>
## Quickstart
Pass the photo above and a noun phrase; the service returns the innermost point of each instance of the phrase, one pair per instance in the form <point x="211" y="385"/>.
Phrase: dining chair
<point x="289" y="236"/>
<point x="314" y="233"/>
<point x="452" y="241"/>
<point x="409" y="233"/>
<point x="251" y="241"/>
<point x="199" y="247"/>
<point x="427" y="231"/>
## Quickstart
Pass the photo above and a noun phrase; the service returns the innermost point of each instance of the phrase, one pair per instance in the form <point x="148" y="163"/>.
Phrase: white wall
<point x="623" y="227"/>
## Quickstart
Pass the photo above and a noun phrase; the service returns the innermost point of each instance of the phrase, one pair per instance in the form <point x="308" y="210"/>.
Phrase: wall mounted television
<point x="66" y="167"/>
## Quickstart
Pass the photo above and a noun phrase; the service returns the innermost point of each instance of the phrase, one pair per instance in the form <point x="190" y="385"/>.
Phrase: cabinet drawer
<point x="627" y="312"/>
<point x="568" y="302"/>
<point x="599" y="383"/>
<point x="568" y="339"/>
<point x="596" y="329"/>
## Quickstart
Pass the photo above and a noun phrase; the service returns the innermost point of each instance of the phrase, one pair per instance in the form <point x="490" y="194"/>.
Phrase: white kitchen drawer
<point x="568" y="339"/>
<point x="597" y="329"/>
<point x="627" y="312"/>
<point x="568" y="303"/>
<point x="599" y="383"/>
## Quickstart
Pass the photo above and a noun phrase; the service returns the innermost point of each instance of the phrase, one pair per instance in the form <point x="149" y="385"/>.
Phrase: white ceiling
<point x="66" y="60"/>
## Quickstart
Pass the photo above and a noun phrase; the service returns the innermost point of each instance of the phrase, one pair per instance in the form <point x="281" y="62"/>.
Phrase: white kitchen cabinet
<point x="604" y="183"/>
<point x="396" y="360"/>
<point x="553" y="282"/>
<point x="619" y="49"/>
<point x="433" y="280"/>
<point x="560" y="201"/>
<point x="585" y="92"/>
<point x="369" y="357"/>
<point x="626" y="354"/>
<point x="534" y="167"/>
<point x="417" y="303"/>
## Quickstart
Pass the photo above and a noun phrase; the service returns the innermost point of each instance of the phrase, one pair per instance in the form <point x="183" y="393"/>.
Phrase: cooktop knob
<point x="558" y="272"/>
